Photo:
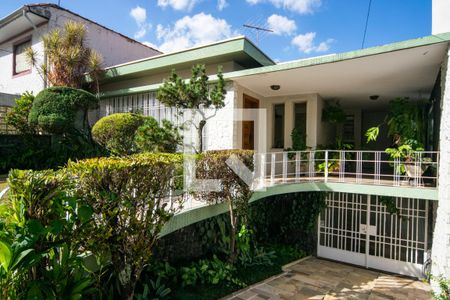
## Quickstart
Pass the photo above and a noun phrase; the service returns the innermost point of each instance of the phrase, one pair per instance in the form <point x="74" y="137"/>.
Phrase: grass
<point x="248" y="276"/>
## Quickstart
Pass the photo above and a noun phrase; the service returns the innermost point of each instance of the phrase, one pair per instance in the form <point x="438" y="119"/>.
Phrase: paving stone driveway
<point x="315" y="278"/>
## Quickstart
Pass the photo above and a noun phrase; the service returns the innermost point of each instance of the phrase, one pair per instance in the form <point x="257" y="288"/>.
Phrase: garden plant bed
<point x="248" y="276"/>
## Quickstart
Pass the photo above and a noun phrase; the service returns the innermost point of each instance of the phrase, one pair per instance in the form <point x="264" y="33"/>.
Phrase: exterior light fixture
<point x="374" y="97"/>
<point x="275" y="87"/>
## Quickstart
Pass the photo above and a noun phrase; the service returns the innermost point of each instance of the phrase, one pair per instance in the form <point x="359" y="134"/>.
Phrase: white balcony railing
<point x="419" y="169"/>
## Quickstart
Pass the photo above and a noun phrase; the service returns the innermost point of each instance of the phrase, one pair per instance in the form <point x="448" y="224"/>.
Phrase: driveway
<point x="315" y="278"/>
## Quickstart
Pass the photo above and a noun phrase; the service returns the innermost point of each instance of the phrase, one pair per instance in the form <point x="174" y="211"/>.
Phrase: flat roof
<point x="238" y="49"/>
<point x="367" y="53"/>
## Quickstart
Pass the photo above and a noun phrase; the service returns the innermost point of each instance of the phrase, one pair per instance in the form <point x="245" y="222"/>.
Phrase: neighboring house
<point x="355" y="227"/>
<point x="25" y="28"/>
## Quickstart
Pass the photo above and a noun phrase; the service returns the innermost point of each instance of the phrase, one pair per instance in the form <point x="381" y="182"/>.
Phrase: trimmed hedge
<point x="116" y="132"/>
<point x="55" y="109"/>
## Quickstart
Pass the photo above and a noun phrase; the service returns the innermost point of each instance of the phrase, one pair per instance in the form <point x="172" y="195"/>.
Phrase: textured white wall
<point x="20" y="83"/>
<point x="441" y="235"/>
<point x="440" y="16"/>
<point x="114" y="48"/>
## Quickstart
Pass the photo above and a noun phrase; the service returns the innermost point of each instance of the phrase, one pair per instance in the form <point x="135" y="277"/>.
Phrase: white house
<point x="355" y="228"/>
<point x="25" y="27"/>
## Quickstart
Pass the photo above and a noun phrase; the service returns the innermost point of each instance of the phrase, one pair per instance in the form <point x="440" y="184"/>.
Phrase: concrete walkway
<point x="314" y="278"/>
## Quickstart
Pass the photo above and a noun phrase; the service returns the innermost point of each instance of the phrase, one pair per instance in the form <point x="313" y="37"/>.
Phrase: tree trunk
<point x="200" y="135"/>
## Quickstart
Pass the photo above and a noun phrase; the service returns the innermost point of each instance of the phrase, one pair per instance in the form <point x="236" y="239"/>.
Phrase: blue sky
<point x="303" y="28"/>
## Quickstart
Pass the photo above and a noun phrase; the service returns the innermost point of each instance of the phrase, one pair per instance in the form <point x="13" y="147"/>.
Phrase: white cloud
<point x="185" y="5"/>
<point x="221" y="4"/>
<point x="192" y="31"/>
<point x="305" y="43"/>
<point x="299" y="6"/>
<point x="281" y="25"/>
<point x="139" y="15"/>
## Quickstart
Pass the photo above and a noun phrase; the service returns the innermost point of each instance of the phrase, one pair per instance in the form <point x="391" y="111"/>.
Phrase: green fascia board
<point x="205" y="212"/>
<point x="237" y="45"/>
<point x="403" y="45"/>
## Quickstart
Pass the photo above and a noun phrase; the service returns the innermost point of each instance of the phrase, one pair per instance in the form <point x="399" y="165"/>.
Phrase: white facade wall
<point x="441" y="235"/>
<point x="440" y="20"/>
<point x="114" y="48"/>
<point x="18" y="84"/>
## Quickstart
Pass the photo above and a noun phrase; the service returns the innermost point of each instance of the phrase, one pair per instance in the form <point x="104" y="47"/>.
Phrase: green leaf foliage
<point x="62" y="109"/>
<point x="151" y="137"/>
<point x="117" y="132"/>
<point x="127" y="196"/>
<point x="18" y="116"/>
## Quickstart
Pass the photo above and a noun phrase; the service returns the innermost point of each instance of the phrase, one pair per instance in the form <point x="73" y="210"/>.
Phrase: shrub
<point x="18" y="116"/>
<point x="59" y="110"/>
<point x="234" y="191"/>
<point x="151" y="137"/>
<point x="38" y="239"/>
<point x="128" y="197"/>
<point x="116" y="132"/>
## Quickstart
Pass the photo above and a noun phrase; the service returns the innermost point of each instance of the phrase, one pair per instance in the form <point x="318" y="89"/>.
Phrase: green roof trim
<point x="226" y="47"/>
<point x="403" y="45"/>
<point x="202" y="213"/>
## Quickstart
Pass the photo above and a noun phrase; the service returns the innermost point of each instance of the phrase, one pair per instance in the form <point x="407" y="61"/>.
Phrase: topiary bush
<point x="116" y="132"/>
<point x="58" y="110"/>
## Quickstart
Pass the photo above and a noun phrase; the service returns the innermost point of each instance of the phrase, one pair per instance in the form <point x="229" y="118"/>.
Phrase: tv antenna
<point x="258" y="29"/>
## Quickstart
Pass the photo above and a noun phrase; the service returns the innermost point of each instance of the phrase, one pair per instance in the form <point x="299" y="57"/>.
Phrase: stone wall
<point x="441" y="237"/>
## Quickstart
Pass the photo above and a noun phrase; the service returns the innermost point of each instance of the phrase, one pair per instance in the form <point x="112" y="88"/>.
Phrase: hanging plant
<point x="333" y="113"/>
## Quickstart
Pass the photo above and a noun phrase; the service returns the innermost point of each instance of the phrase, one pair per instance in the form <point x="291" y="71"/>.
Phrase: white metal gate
<point x="357" y="229"/>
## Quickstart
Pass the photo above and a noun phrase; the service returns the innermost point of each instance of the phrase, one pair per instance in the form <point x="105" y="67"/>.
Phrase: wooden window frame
<point x="15" y="45"/>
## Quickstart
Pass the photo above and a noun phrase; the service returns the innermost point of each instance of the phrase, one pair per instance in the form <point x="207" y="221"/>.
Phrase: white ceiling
<point x="404" y="73"/>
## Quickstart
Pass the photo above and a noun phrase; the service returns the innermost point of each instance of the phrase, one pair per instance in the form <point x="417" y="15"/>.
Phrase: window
<point x="300" y="118"/>
<point x="278" y="128"/>
<point x="20" y="64"/>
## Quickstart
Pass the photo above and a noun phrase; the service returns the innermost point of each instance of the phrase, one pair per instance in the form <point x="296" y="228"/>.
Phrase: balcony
<point x="418" y="170"/>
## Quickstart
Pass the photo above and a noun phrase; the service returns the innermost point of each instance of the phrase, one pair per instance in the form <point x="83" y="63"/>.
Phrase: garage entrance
<point x="359" y="229"/>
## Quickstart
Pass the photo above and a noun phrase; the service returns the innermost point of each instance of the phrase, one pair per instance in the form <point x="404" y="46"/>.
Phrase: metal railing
<point x="418" y="169"/>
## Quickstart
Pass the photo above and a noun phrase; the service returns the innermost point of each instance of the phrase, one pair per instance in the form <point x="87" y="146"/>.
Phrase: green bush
<point x="128" y="197"/>
<point x="39" y="238"/>
<point x="234" y="191"/>
<point x="61" y="109"/>
<point x="116" y="132"/>
<point x="151" y="137"/>
<point x="18" y="116"/>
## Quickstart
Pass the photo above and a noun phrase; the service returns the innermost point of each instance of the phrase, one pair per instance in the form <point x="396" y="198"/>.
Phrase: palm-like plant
<point x="68" y="59"/>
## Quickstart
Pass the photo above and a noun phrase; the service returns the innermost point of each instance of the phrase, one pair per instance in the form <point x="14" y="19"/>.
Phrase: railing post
<point x="298" y="159"/>
<point x="311" y="166"/>
<point x="358" y="166"/>
<point x="341" y="166"/>
<point x="285" y="160"/>
<point x="262" y="175"/>
<point x="272" y="169"/>
<point x="396" y="171"/>
<point x="326" y="166"/>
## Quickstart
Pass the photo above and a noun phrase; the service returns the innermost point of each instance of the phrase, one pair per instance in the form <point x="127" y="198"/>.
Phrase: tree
<point x="194" y="94"/>
<point x="234" y="190"/>
<point x="151" y="137"/>
<point x="68" y="59"/>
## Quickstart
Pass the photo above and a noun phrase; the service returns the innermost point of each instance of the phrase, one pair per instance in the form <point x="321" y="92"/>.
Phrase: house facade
<point x="356" y="227"/>
<point x="25" y="28"/>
